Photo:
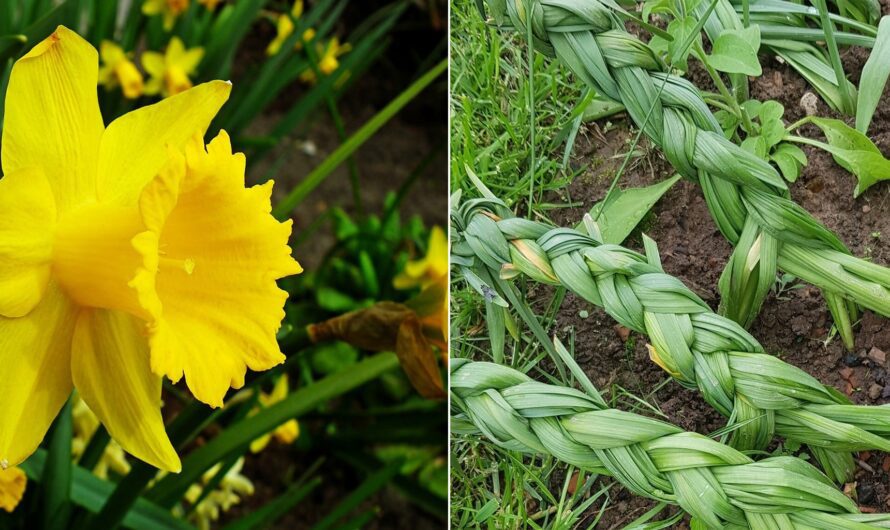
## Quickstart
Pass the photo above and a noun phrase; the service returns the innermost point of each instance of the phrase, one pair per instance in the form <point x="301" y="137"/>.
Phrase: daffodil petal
<point x="216" y="282"/>
<point x="287" y="432"/>
<point x="52" y="116"/>
<point x="35" y="353"/>
<point x="191" y="59"/>
<point x="111" y="370"/>
<point x="260" y="443"/>
<point x="12" y="487"/>
<point x="134" y="148"/>
<point x="26" y="240"/>
<point x="153" y="62"/>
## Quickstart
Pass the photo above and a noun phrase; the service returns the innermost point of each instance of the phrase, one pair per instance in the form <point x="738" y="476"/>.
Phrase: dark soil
<point x="794" y="325"/>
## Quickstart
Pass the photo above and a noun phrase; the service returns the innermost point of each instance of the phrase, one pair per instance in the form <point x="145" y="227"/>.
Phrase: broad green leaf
<point x="626" y="208"/>
<point x="755" y="145"/>
<point x="752" y="107"/>
<point x="735" y="51"/>
<point x="728" y="121"/>
<point x="332" y="357"/>
<point x="770" y="111"/>
<point x="854" y="152"/>
<point x="874" y="77"/>
<point x="681" y="29"/>
<point x="790" y="159"/>
<point x="651" y="7"/>
<point x="787" y="165"/>
<point x="772" y="131"/>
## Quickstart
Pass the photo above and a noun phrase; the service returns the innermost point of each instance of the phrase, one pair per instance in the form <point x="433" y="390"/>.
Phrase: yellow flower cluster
<point x="285" y="433"/>
<point x="326" y="55"/>
<point x="228" y="493"/>
<point x="170" y="10"/>
<point x="127" y="254"/>
<point x="170" y="72"/>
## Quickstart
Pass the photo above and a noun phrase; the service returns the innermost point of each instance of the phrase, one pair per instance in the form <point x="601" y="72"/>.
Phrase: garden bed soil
<point x="794" y="326"/>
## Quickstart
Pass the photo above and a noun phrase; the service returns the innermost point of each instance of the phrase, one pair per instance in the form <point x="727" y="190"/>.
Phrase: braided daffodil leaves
<point x="746" y="196"/>
<point x="127" y="253"/>
<point x="761" y="394"/>
<point x="716" y="484"/>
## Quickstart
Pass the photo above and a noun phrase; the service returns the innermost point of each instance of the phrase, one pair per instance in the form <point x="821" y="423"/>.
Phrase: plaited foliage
<point x="716" y="484"/>
<point x="760" y="394"/>
<point x="746" y="196"/>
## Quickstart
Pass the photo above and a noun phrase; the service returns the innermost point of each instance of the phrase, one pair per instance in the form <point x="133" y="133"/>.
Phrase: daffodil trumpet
<point x="127" y="254"/>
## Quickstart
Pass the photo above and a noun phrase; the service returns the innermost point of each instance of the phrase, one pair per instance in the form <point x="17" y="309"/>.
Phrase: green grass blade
<point x="847" y="96"/>
<point x="874" y="77"/>
<point x="320" y="173"/>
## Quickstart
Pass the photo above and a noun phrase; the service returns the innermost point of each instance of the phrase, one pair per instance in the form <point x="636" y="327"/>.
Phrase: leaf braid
<point x="761" y="394"/>
<point x="746" y="196"/>
<point x="716" y="484"/>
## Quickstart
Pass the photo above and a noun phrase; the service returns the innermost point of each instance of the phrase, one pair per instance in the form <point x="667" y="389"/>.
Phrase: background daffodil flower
<point x="169" y="9"/>
<point x="285" y="433"/>
<point x="227" y="493"/>
<point x="430" y="268"/>
<point x="284" y="26"/>
<point x="12" y="487"/>
<point x="126" y="253"/>
<point x="118" y="70"/>
<point x="328" y="59"/>
<point x="170" y="72"/>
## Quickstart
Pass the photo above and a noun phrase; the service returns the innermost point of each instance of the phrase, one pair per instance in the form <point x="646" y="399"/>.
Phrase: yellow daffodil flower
<point x="284" y="25"/>
<point x="328" y="59"/>
<point x="170" y="72"/>
<point x="12" y="487"/>
<point x="287" y="432"/>
<point x="85" y="424"/>
<point x="430" y="268"/>
<point x="169" y="9"/>
<point x="228" y="493"/>
<point x="118" y="70"/>
<point x="127" y="253"/>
